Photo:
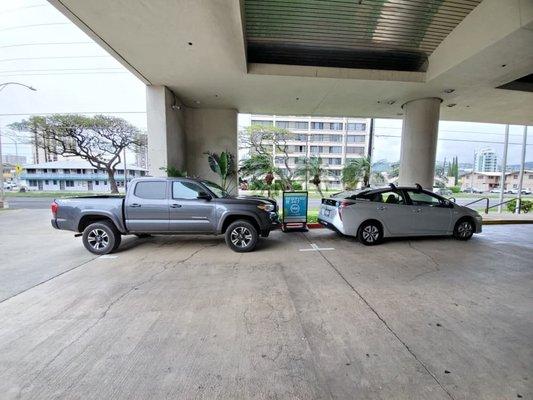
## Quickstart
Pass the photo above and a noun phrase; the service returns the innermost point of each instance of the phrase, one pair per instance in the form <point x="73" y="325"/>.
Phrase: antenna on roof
<point x="392" y="186"/>
<point x="418" y="187"/>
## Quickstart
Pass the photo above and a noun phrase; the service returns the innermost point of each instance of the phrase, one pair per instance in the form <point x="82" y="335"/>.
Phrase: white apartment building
<point x="75" y="176"/>
<point x="486" y="181"/>
<point x="335" y="140"/>
<point x="486" y="160"/>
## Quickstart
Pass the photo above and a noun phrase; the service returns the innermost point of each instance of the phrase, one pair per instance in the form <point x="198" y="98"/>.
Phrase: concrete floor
<point x="186" y="318"/>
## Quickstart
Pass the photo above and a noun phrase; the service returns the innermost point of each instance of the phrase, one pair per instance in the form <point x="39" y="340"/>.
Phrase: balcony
<point x="72" y="177"/>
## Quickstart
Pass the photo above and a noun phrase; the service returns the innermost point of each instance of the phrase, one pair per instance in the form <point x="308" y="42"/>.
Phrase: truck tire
<point x="241" y="236"/>
<point x="101" y="237"/>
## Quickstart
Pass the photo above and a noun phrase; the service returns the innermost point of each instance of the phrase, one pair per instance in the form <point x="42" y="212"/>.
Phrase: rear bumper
<point x="329" y="225"/>
<point x="54" y="223"/>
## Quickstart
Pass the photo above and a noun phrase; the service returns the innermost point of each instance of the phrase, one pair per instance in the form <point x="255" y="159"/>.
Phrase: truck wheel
<point x="101" y="237"/>
<point x="241" y="236"/>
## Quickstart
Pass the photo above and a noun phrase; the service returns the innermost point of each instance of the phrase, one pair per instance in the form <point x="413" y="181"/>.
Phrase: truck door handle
<point x="135" y="205"/>
<point x="175" y="205"/>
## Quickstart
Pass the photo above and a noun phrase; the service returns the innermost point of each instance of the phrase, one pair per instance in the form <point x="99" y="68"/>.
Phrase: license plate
<point x="326" y="213"/>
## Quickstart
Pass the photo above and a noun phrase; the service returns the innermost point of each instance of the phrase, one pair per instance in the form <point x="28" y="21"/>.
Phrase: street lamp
<point x="2" y="197"/>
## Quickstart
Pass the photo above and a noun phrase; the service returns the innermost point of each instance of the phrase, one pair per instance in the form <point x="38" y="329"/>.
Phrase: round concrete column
<point x="419" y="142"/>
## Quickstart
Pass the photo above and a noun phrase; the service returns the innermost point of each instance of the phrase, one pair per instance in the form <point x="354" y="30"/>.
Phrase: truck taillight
<point x="342" y="205"/>
<point x="54" y="206"/>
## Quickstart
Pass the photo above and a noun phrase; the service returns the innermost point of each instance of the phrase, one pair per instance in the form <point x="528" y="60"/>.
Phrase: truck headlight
<point x="266" y="207"/>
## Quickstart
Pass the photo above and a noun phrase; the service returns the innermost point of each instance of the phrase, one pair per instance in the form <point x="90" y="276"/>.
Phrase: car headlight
<point x="266" y="207"/>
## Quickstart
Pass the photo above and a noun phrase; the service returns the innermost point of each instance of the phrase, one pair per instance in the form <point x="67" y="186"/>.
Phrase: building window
<point x="356" y="126"/>
<point x="32" y="182"/>
<point x="46" y="182"/>
<point x="356" y="139"/>
<point x="282" y="124"/>
<point x="55" y="182"/>
<point x="78" y="171"/>
<point x="131" y="172"/>
<point x="335" y="149"/>
<point x="262" y="122"/>
<point x="317" y="125"/>
<point x="355" y="150"/>
<point x="96" y="183"/>
<point x="69" y="183"/>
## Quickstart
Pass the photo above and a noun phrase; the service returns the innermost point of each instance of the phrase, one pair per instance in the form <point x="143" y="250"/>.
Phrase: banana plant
<point x="223" y="165"/>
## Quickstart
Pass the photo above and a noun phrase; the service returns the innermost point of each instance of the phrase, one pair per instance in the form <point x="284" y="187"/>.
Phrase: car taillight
<point x="54" y="206"/>
<point x="342" y="205"/>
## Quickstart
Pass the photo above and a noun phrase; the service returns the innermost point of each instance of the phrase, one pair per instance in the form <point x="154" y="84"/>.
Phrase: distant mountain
<point x="516" y="167"/>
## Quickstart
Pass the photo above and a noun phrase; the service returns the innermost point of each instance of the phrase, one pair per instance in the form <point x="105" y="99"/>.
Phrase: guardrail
<point x="520" y="206"/>
<point x="486" y="199"/>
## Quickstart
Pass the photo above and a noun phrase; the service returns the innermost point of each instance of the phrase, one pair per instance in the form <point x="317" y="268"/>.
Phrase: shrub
<point x="455" y="189"/>
<point x="527" y="205"/>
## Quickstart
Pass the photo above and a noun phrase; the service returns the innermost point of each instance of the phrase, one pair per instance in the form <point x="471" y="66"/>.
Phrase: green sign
<point x="294" y="207"/>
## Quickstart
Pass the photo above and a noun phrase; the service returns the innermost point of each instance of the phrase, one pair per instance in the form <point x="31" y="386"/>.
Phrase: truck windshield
<point x="217" y="190"/>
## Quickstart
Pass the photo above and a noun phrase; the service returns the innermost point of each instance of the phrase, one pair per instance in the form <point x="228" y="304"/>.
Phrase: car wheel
<point x="370" y="233"/>
<point x="101" y="238"/>
<point x="464" y="229"/>
<point x="241" y="236"/>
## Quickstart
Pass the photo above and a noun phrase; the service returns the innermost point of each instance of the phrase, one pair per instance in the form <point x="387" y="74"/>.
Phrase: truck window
<point x="185" y="190"/>
<point x="151" y="190"/>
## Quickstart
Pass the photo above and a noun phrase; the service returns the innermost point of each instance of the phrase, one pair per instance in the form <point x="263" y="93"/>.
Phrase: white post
<point x="2" y="198"/>
<point x="521" y="177"/>
<point x="504" y="167"/>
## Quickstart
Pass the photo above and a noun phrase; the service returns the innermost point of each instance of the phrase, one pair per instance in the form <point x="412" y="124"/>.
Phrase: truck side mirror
<point x="203" y="196"/>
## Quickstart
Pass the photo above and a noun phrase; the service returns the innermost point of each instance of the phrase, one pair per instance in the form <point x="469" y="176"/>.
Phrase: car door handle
<point x="417" y="210"/>
<point x="135" y="205"/>
<point x="175" y="205"/>
<point x="381" y="208"/>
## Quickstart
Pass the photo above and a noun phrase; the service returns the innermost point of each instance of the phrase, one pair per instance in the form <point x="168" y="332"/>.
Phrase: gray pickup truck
<point x="166" y="206"/>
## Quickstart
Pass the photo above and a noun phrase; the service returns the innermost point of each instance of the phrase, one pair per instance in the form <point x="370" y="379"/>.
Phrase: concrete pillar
<point x="213" y="130"/>
<point x="166" y="130"/>
<point x="419" y="142"/>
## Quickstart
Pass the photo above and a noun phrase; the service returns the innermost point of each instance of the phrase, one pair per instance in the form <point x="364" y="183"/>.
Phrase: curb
<point x="508" y="222"/>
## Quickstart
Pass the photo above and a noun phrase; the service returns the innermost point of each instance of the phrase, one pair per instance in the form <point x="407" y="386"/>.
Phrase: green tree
<point x="100" y="140"/>
<point x="312" y="168"/>
<point x="355" y="171"/>
<point x="223" y="165"/>
<point x="259" y="167"/>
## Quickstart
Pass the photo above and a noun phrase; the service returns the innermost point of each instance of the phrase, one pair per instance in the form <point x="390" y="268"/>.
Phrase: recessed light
<point x="504" y="65"/>
<point x="451" y="105"/>
<point x="297" y="98"/>
<point x="217" y="96"/>
<point x="190" y="43"/>
<point x="448" y="91"/>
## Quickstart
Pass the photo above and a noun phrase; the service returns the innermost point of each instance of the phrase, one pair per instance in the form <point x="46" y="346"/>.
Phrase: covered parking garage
<point x="309" y="315"/>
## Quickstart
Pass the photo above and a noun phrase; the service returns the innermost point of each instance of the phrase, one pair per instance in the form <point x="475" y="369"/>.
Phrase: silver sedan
<point x="374" y="214"/>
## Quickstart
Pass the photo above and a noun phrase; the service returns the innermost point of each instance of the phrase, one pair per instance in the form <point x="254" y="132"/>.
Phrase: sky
<point x="72" y="74"/>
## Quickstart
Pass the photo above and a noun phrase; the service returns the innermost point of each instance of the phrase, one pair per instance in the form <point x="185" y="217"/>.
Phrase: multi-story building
<point x="335" y="140"/>
<point x="486" y="160"/>
<point x="13" y="159"/>
<point x="487" y="181"/>
<point x="74" y="175"/>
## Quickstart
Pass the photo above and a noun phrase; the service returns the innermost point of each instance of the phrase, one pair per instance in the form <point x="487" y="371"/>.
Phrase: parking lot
<point x="306" y="316"/>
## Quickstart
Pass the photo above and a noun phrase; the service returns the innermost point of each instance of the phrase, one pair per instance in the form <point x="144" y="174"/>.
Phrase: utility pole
<point x="125" y="173"/>
<point x="504" y="167"/>
<point x="521" y="177"/>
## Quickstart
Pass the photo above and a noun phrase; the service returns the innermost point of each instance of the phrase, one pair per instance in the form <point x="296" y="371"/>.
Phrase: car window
<point x="186" y="190"/>
<point x="389" y="197"/>
<point x="151" y="190"/>
<point x="423" y="198"/>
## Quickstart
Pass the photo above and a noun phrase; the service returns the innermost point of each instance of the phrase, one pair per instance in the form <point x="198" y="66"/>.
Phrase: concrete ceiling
<point x="198" y="49"/>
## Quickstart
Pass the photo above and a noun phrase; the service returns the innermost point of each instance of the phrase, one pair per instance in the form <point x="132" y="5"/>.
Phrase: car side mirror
<point x="447" y="203"/>
<point x="203" y="196"/>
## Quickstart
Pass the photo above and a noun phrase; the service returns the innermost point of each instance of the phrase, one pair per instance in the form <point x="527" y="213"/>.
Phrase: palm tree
<point x="259" y="166"/>
<point x="312" y="167"/>
<point x="355" y="171"/>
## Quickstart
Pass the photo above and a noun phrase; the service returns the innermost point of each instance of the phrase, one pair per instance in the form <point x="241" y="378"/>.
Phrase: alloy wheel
<point x="464" y="229"/>
<point x="98" y="239"/>
<point x="370" y="233"/>
<point x="241" y="236"/>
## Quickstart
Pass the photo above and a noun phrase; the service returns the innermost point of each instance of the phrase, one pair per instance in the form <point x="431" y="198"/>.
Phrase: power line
<point x="458" y="140"/>
<point x="50" y="58"/>
<point x="33" y="25"/>
<point x="43" y="44"/>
